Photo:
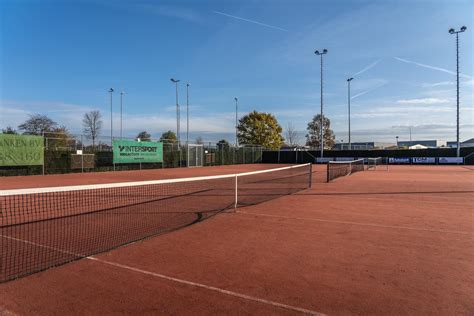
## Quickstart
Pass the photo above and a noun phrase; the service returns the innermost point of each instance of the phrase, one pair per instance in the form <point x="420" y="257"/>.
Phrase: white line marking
<point x="211" y="288"/>
<point x="356" y="223"/>
<point x="165" y="277"/>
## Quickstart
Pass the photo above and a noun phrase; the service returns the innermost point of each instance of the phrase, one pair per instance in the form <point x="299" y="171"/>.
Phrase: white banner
<point x="398" y="160"/>
<point x="451" y="160"/>
<point x="429" y="160"/>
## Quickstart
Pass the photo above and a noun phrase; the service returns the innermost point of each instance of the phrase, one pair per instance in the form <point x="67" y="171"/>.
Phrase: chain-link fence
<point x="66" y="153"/>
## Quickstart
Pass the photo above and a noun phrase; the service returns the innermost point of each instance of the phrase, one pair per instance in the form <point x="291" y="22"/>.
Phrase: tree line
<point x="254" y="128"/>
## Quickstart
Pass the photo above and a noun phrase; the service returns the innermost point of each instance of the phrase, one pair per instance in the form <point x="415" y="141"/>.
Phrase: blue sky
<point x="60" y="57"/>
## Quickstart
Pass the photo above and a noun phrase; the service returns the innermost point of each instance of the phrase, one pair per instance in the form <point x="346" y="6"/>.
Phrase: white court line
<point x="211" y="288"/>
<point x="356" y="223"/>
<point x="181" y="281"/>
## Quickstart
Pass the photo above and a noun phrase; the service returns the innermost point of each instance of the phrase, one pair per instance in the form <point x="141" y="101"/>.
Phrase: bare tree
<point x="292" y="137"/>
<point x="92" y="125"/>
<point x="199" y="140"/>
<point x="37" y="124"/>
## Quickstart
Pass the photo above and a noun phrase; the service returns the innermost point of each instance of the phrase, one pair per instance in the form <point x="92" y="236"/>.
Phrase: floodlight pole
<point x="111" y="91"/>
<point x="458" y="144"/>
<point x="236" y="121"/>
<point x="325" y="51"/>
<point x="187" y="114"/>
<point x="175" y="81"/>
<point x="349" y="107"/>
<point x="121" y="112"/>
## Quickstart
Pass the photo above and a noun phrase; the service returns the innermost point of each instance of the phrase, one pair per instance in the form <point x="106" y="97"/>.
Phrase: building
<point x="363" y="145"/>
<point x="427" y="143"/>
<point x="466" y="143"/>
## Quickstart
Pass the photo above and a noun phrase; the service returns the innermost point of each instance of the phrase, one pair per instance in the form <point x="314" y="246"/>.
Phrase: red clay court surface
<point x="376" y="242"/>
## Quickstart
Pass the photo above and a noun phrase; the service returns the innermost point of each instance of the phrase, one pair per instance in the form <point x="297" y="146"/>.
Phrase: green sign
<point x="21" y="150"/>
<point x="129" y="151"/>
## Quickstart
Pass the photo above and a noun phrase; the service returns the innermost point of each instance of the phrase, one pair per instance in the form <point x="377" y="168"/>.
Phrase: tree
<point x="59" y="138"/>
<point x="144" y="136"/>
<point x="37" y="124"/>
<point x="223" y="144"/>
<point x="199" y="140"/>
<point x="259" y="128"/>
<point x="292" y="137"/>
<point x="92" y="125"/>
<point x="313" y="138"/>
<point x="9" y="130"/>
<point x="168" y="137"/>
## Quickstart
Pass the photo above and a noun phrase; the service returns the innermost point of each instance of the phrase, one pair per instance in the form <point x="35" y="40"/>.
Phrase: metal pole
<point x="236" y="122"/>
<point x="349" y="108"/>
<point x="458" y="144"/>
<point x="322" y="121"/>
<point x="177" y="124"/>
<point x="187" y="113"/>
<point x="111" y="118"/>
<point x="121" y="113"/>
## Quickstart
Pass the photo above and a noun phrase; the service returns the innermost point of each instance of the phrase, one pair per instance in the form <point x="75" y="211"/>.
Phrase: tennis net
<point x="46" y="227"/>
<point x="376" y="163"/>
<point x="336" y="169"/>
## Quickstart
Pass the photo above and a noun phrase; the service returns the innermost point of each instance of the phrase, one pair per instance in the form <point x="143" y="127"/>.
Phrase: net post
<point x="235" y="188"/>
<point x="310" y="175"/>
<point x="327" y="172"/>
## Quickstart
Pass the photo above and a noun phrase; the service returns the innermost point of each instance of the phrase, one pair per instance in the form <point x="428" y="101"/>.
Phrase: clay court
<point x="375" y="242"/>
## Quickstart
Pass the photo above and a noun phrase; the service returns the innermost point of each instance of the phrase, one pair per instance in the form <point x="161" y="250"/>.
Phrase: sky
<point x="60" y="58"/>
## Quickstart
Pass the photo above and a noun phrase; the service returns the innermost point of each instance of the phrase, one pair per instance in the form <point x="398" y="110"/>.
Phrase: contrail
<point x="247" y="20"/>
<point x="432" y="67"/>
<point x="368" y="67"/>
<point x="367" y="91"/>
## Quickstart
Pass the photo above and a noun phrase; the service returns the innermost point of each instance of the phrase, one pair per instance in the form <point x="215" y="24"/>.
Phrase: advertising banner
<point x="344" y="158"/>
<point x="399" y="160"/>
<point x="21" y="150"/>
<point x="129" y="151"/>
<point x="421" y="160"/>
<point x="451" y="160"/>
<point x="324" y="160"/>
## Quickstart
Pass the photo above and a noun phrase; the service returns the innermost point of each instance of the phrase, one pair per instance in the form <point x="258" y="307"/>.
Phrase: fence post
<point x="236" y="195"/>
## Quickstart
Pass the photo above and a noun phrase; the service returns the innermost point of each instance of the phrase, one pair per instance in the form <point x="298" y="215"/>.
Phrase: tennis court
<point x="378" y="242"/>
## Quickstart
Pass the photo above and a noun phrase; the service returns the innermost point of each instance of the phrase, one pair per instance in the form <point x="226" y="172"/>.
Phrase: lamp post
<point x="175" y="81"/>
<point x="349" y="107"/>
<point x="325" y="51"/>
<point x="397" y="141"/>
<point x="111" y="91"/>
<point x="236" y="121"/>
<point x="453" y="31"/>
<point x="121" y="112"/>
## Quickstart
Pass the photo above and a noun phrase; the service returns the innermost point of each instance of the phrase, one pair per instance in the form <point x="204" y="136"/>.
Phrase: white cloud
<point x="423" y="101"/>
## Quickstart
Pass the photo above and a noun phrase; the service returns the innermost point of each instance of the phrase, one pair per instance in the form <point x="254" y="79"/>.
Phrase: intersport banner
<point x="129" y="151"/>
